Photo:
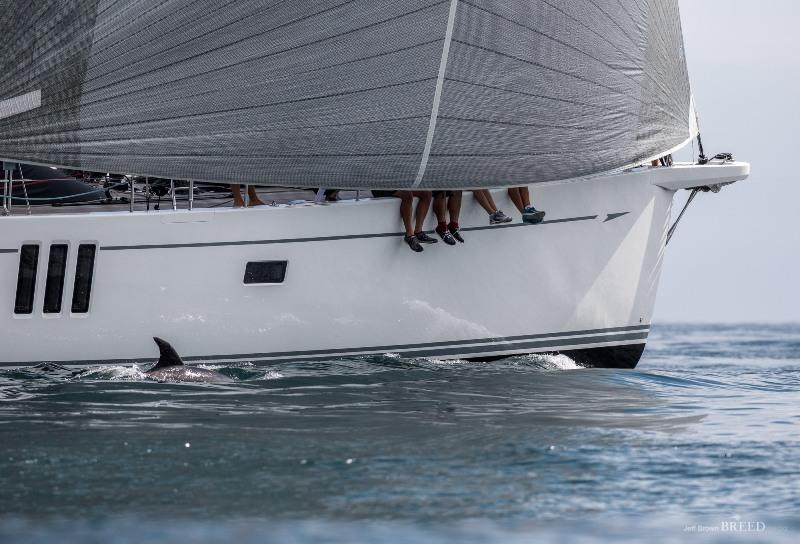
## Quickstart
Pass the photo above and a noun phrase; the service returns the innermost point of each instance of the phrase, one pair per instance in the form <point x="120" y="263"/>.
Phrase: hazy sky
<point x="736" y="254"/>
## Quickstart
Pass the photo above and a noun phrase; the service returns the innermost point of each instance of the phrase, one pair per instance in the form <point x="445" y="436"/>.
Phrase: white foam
<point x="113" y="373"/>
<point x="555" y="362"/>
<point x="272" y="375"/>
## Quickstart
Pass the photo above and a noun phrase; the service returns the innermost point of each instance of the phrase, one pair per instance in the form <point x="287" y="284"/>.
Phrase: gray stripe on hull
<point x="332" y="238"/>
<point x="396" y="347"/>
<point x="613" y="216"/>
<point x="8" y="250"/>
<point x="522" y="347"/>
<point x="547" y="222"/>
<point x="461" y="348"/>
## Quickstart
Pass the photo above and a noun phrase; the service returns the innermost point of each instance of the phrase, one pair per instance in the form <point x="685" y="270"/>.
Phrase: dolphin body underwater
<point x="170" y="368"/>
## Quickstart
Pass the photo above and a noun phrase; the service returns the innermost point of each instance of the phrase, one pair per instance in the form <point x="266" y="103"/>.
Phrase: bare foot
<point x="256" y="202"/>
<point x="238" y="203"/>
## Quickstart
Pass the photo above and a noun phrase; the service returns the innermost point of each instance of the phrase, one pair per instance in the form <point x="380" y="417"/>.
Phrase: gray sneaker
<point x="499" y="217"/>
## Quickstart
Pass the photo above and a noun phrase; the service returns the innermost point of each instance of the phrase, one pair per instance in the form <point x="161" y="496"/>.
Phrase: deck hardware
<point x="133" y="194"/>
<point x="7" y="188"/>
<point x="674" y="226"/>
<point x="24" y="188"/>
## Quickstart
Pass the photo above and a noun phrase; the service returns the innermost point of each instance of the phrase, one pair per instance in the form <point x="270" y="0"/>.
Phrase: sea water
<point x="699" y="443"/>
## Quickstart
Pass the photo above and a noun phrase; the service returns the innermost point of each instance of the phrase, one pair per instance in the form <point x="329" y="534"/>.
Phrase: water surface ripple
<point x="704" y="431"/>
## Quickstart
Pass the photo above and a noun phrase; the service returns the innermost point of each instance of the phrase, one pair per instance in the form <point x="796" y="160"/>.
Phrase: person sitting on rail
<point x="414" y="237"/>
<point x="445" y="202"/>
<point x="238" y="201"/>
<point x="521" y="198"/>
<point x="484" y="198"/>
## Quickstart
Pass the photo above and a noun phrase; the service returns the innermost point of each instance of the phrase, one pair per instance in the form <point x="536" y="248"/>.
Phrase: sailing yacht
<point x="583" y="102"/>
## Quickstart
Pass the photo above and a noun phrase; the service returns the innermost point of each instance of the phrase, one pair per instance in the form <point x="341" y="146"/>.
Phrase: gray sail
<point x="343" y="93"/>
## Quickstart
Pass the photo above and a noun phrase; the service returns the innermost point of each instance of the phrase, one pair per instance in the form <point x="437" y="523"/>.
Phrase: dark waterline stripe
<point x="467" y="351"/>
<point x="502" y="344"/>
<point x="9" y="250"/>
<point x="331" y="238"/>
<point x="385" y="349"/>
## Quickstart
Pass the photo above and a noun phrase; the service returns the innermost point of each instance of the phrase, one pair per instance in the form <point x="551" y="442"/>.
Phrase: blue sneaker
<point x="532" y="215"/>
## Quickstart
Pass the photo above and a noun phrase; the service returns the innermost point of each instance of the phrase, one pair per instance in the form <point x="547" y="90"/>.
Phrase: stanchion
<point x="7" y="187"/>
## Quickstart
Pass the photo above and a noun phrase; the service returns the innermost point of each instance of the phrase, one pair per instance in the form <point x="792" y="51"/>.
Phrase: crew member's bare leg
<point x="454" y="207"/>
<point x="406" y="211"/>
<point x="238" y="201"/>
<point x="440" y="207"/>
<point x="406" y="207"/>
<point x="254" y="200"/>
<point x="484" y="198"/>
<point x="525" y="194"/>
<point x="523" y="202"/>
<point x="423" y="205"/>
<point x="513" y="194"/>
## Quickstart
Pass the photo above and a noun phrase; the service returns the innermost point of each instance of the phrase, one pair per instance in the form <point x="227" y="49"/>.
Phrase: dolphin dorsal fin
<point x="167" y="355"/>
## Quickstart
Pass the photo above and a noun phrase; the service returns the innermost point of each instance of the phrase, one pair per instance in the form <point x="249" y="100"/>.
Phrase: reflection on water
<point x="705" y="429"/>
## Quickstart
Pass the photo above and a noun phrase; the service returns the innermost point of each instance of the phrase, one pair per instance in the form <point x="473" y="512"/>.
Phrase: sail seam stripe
<point x="250" y="59"/>
<point x="580" y="153"/>
<point x="437" y="96"/>
<point x="614" y="22"/>
<point x="545" y="67"/>
<point x="562" y="72"/>
<point x="537" y="95"/>
<point x="545" y="35"/>
<point x="590" y="29"/>
<point x="223" y="46"/>
<point x="217" y="70"/>
<point x="27" y="139"/>
<point x="663" y="91"/>
<point x="331" y="238"/>
<point x="196" y="117"/>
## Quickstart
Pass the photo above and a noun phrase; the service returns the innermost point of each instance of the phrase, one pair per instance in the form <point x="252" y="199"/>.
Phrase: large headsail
<point x="343" y="93"/>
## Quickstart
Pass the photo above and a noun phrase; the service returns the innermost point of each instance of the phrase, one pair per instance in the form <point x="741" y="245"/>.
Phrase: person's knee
<point x="405" y="196"/>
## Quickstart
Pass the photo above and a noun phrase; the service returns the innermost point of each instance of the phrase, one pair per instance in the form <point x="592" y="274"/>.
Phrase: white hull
<point x="585" y="278"/>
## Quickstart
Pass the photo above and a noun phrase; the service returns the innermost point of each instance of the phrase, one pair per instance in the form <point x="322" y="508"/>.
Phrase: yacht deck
<point x="202" y="200"/>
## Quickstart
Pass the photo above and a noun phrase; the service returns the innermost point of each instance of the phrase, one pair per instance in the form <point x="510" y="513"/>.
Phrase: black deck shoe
<point x="457" y="235"/>
<point x="424" y="238"/>
<point x="445" y="235"/>
<point x="532" y="215"/>
<point x="413" y="243"/>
